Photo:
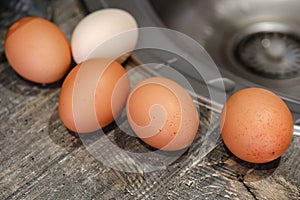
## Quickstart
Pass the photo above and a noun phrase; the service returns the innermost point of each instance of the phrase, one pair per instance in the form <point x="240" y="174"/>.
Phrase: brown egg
<point x="162" y="114"/>
<point x="256" y="125"/>
<point x="93" y="95"/>
<point x="37" y="50"/>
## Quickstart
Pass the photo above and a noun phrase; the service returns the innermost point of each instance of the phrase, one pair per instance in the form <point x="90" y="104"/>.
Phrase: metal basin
<point x="257" y="41"/>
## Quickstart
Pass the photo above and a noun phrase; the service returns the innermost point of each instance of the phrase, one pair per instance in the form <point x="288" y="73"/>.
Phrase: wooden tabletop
<point x="41" y="159"/>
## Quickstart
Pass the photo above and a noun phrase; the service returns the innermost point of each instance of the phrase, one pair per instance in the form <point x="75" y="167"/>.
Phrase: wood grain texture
<point x="41" y="159"/>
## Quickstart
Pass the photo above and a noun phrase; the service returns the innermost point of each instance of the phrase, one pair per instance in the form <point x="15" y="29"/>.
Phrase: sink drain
<point x="270" y="54"/>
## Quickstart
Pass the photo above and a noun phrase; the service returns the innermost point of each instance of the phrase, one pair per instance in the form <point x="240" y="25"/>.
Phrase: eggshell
<point x="92" y="95"/>
<point x="256" y="125"/>
<point x="107" y="33"/>
<point x="162" y="114"/>
<point x="37" y="50"/>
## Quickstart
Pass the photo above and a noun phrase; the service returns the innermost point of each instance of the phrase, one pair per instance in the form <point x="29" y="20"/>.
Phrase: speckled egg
<point x="256" y="125"/>
<point x="162" y="114"/>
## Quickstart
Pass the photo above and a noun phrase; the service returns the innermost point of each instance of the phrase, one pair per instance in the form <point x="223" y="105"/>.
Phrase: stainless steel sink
<point x="258" y="41"/>
<point x="254" y="43"/>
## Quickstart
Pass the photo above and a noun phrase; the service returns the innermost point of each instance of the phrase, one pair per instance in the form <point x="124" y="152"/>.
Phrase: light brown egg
<point x="162" y="114"/>
<point x="93" y="95"/>
<point x="256" y="125"/>
<point x="105" y="33"/>
<point x="37" y="50"/>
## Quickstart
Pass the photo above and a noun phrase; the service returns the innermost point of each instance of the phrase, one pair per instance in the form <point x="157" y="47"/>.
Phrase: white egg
<point x="108" y="33"/>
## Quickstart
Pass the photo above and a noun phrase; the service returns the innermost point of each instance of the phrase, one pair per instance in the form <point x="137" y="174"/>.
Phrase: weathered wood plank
<point x="223" y="176"/>
<point x="41" y="159"/>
